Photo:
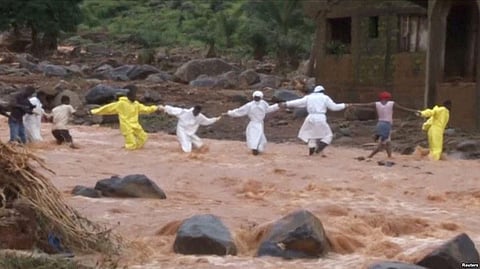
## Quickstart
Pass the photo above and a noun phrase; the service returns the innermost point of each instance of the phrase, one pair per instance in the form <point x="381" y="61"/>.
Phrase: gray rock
<point x="271" y="81"/>
<point x="394" y="265"/>
<point x="204" y="235"/>
<point x="210" y="67"/>
<point x="248" y="77"/>
<point x="300" y="113"/>
<point x="468" y="146"/>
<point x="151" y="96"/>
<point x="86" y="191"/>
<point x="282" y="95"/>
<point x="103" y="94"/>
<point x="75" y="100"/>
<point x="120" y="73"/>
<point x="204" y="81"/>
<point x="102" y="72"/>
<point x="297" y="235"/>
<point x="51" y="70"/>
<point x="159" y="77"/>
<point x="452" y="254"/>
<point x="135" y="186"/>
<point x="142" y="71"/>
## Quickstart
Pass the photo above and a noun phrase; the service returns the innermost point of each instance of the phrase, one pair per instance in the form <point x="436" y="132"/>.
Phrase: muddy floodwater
<point x="369" y="212"/>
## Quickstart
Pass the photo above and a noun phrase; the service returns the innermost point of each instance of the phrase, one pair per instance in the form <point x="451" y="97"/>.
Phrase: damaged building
<point x="422" y="51"/>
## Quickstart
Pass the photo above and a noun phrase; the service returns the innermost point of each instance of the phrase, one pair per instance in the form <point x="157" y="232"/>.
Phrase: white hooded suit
<point x="315" y="125"/>
<point x="256" y="111"/>
<point x="188" y="125"/>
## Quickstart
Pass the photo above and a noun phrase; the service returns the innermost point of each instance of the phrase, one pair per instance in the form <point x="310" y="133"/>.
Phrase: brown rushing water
<point x="370" y="212"/>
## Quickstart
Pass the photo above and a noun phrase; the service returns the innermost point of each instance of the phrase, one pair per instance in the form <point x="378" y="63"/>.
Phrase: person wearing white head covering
<point x="188" y="122"/>
<point x="315" y="130"/>
<point x="256" y="111"/>
<point x="33" y="122"/>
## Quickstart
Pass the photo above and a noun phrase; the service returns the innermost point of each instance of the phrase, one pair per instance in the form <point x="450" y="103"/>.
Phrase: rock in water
<point x="298" y="235"/>
<point x="204" y="234"/>
<point x="86" y="191"/>
<point x="136" y="186"/>
<point x="453" y="254"/>
<point x="395" y="265"/>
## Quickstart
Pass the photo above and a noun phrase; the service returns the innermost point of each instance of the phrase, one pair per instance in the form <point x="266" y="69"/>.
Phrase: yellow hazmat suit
<point x="435" y="126"/>
<point x="128" y="111"/>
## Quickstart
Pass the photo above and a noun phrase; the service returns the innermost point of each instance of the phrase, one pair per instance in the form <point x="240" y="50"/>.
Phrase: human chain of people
<point x="25" y="114"/>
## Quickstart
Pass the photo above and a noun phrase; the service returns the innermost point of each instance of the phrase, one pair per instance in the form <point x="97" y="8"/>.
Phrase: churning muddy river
<point x="369" y="212"/>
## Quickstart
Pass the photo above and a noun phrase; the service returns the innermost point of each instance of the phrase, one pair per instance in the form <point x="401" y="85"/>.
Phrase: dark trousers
<point x="17" y="131"/>
<point x="62" y="136"/>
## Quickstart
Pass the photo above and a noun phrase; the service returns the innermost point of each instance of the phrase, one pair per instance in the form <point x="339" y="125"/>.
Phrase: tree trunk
<point x="36" y="44"/>
<point x="49" y="42"/>
<point x="211" y="53"/>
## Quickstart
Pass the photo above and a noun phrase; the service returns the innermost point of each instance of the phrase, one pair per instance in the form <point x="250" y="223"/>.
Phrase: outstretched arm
<point x="273" y="108"/>
<point x="395" y="105"/>
<point x="143" y="109"/>
<point x="363" y="104"/>
<point x="334" y="106"/>
<point x="174" y="111"/>
<point x="109" y="109"/>
<point x="239" y="112"/>
<point x="207" y="121"/>
<point x="427" y="113"/>
<point x="302" y="102"/>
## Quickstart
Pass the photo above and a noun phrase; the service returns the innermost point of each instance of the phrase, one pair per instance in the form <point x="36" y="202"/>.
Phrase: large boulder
<point x="103" y="94"/>
<point x="297" y="235"/>
<point x="75" y="99"/>
<point x="210" y="67"/>
<point x="204" y="81"/>
<point x="453" y="254"/>
<point x="142" y="71"/>
<point x="86" y="191"/>
<point x="248" y="77"/>
<point x="395" y="265"/>
<point x="283" y="95"/>
<point x="467" y="150"/>
<point x="51" y="70"/>
<point x="159" y="77"/>
<point x="204" y="235"/>
<point x="135" y="186"/>
<point x="270" y="81"/>
<point x="132" y="72"/>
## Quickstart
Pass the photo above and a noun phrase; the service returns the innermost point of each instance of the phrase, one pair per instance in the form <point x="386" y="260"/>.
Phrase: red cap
<point x="384" y="95"/>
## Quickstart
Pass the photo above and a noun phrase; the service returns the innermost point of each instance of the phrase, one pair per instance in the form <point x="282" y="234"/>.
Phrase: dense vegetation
<point x="245" y="28"/>
<point x="240" y="27"/>
<point x="44" y="19"/>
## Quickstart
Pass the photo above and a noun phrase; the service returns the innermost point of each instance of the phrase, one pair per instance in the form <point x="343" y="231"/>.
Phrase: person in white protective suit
<point x="256" y="111"/>
<point x="188" y="122"/>
<point x="315" y="130"/>
<point x="33" y="122"/>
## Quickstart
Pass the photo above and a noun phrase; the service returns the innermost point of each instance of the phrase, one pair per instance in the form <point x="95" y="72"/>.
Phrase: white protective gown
<point x="315" y="125"/>
<point x="33" y="122"/>
<point x="188" y="125"/>
<point x="256" y="112"/>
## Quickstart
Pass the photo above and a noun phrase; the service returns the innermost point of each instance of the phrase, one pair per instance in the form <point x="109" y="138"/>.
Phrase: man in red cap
<point x="384" y="109"/>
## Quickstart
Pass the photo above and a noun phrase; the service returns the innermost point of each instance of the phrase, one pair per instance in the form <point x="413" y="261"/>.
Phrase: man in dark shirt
<point x="20" y="106"/>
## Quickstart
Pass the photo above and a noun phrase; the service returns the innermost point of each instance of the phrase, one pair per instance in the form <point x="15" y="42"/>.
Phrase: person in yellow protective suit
<point x="438" y="118"/>
<point x="128" y="110"/>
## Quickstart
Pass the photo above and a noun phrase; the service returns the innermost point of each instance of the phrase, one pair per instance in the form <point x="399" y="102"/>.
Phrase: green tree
<point x="283" y="24"/>
<point x="44" y="18"/>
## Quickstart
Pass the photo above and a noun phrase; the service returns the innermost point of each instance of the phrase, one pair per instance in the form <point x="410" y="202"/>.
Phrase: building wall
<point x="375" y="65"/>
<point x="462" y="95"/>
